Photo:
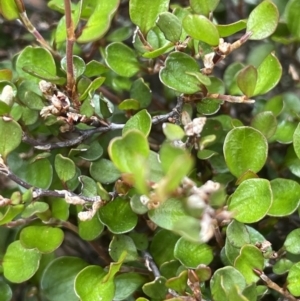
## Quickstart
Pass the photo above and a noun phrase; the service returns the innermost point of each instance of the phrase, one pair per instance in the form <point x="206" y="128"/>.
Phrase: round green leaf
<point x="224" y="280"/>
<point x="170" y="25"/>
<point x="9" y="10"/>
<point x="285" y="131"/>
<point x="78" y="65"/>
<point x="37" y="59"/>
<point x="292" y="17"/>
<point x="99" y="21"/>
<point x="246" y="80"/>
<point x="291" y="243"/>
<point x="263" y="20"/>
<point x="89" y="285"/>
<point x="144" y="13"/>
<point x="57" y="283"/>
<point x="250" y="257"/>
<point x="191" y="254"/>
<point x="94" y="151"/>
<point x="141" y="92"/>
<point x="140" y="121"/>
<point x="5" y="292"/>
<point x="156" y="288"/>
<point x="245" y="148"/>
<point x="251" y="201"/>
<point x="282" y="266"/>
<point x="90" y="229"/>
<point x="201" y="28"/>
<point x="296" y="141"/>
<point x="104" y="171"/>
<point x="10" y="137"/>
<point x="173" y="131"/>
<point x="121" y="243"/>
<point x="118" y="216"/>
<point x="175" y="73"/>
<point x="45" y="239"/>
<point x="286" y="197"/>
<point x="268" y="74"/>
<point x="237" y="234"/>
<point x="121" y="59"/>
<point x="293" y="279"/>
<point x="266" y="123"/>
<point x="129" y="104"/>
<point x="20" y="264"/>
<point x="204" y="7"/>
<point x="64" y="167"/>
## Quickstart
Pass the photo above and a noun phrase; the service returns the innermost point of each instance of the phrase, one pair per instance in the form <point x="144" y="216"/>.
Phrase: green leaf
<point x="263" y="20"/>
<point x="118" y="216"/>
<point x="170" y="25"/>
<point x="45" y="239"/>
<point x="64" y="167"/>
<point x="226" y="30"/>
<point x="121" y="243"/>
<point x="57" y="283"/>
<point x="268" y="74"/>
<point x="9" y="10"/>
<point x="282" y="266"/>
<point x="224" y="280"/>
<point x="144" y="13"/>
<point x="34" y="208"/>
<point x="286" y="197"/>
<point x="237" y="234"/>
<point x="202" y="29"/>
<point x="245" y="149"/>
<point x="140" y="121"/>
<point x="156" y="289"/>
<point x="127" y="284"/>
<point x="90" y="229"/>
<point x="20" y="264"/>
<point x="250" y="258"/>
<point x="292" y="17"/>
<point x="104" y="171"/>
<point x="141" y="92"/>
<point x="291" y="243"/>
<point x="293" y="279"/>
<point x="94" y="68"/>
<point x="173" y="131"/>
<point x="266" y="123"/>
<point x="11" y="136"/>
<point x="92" y="87"/>
<point x="246" y="80"/>
<point x="5" y="292"/>
<point x="204" y="7"/>
<point x="78" y="65"/>
<point x="296" y="140"/>
<point x="175" y="73"/>
<point x="251" y="201"/>
<point x="10" y="213"/>
<point x="93" y="152"/>
<point x="192" y="254"/>
<point x="89" y="285"/>
<point x="121" y="59"/>
<point x="129" y="104"/>
<point x="37" y="58"/>
<point x="99" y="22"/>
<point x="285" y="131"/>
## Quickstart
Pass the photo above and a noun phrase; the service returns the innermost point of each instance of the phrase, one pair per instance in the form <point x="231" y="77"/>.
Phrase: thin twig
<point x="150" y="264"/>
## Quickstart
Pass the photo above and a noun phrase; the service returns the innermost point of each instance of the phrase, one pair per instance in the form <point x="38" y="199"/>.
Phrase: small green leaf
<point x="250" y="258"/>
<point x="245" y="149"/>
<point x="144" y="13"/>
<point x="64" y="167"/>
<point x="173" y="131"/>
<point x="268" y="74"/>
<point x="90" y="229"/>
<point x="104" y="171"/>
<point x="99" y="22"/>
<point x="263" y="20"/>
<point x="45" y="239"/>
<point x="296" y="140"/>
<point x="175" y="73"/>
<point x="121" y="243"/>
<point x="10" y="213"/>
<point x="141" y="92"/>
<point x="20" y="264"/>
<point x="285" y="131"/>
<point x="118" y="216"/>
<point x="5" y="292"/>
<point x="129" y="104"/>
<point x="170" y="25"/>
<point x="291" y="243"/>
<point x="57" y="283"/>
<point x="93" y="151"/>
<point x="11" y="136"/>
<point x="140" y="121"/>
<point x="9" y="10"/>
<point x="191" y="254"/>
<point x="246" y="80"/>
<point x="37" y="58"/>
<point x="89" y="285"/>
<point x="293" y="279"/>
<point x="156" y="288"/>
<point x="78" y="65"/>
<point x="286" y="197"/>
<point x="266" y="123"/>
<point x="34" y="208"/>
<point x="230" y="29"/>
<point x="251" y="201"/>
<point x="204" y="7"/>
<point x="292" y="17"/>
<point x="94" y="68"/>
<point x="121" y="59"/>
<point x="92" y="87"/>
<point x="237" y="234"/>
<point x="202" y="29"/>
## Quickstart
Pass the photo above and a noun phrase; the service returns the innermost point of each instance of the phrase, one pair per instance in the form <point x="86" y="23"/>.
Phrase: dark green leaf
<point x="170" y="25"/>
